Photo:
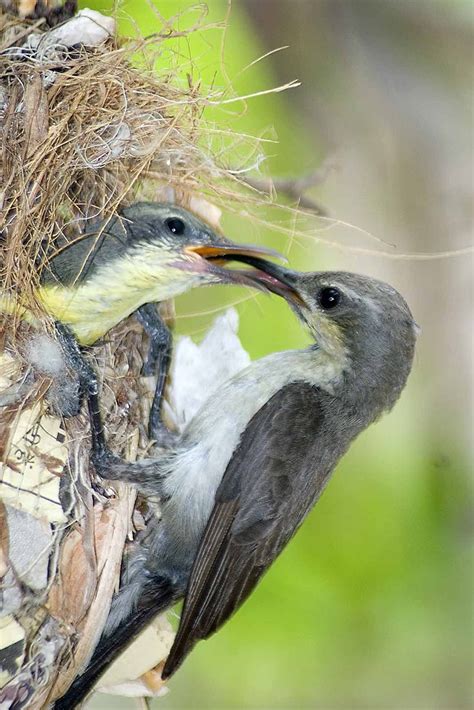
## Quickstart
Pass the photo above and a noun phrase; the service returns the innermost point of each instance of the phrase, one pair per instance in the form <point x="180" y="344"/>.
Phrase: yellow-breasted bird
<point x="147" y="253"/>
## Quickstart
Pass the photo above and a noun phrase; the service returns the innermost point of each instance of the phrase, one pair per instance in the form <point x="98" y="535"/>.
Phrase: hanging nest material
<point x="86" y="125"/>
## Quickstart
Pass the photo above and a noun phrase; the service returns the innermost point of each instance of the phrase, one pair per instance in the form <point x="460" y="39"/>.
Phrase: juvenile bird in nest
<point x="147" y="253"/>
<point x="255" y="459"/>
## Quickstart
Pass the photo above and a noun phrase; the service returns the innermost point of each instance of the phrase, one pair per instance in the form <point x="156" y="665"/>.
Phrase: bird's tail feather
<point x="156" y="597"/>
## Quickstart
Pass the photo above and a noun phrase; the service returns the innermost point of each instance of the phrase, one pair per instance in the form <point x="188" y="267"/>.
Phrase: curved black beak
<point x="272" y="277"/>
<point x="215" y="258"/>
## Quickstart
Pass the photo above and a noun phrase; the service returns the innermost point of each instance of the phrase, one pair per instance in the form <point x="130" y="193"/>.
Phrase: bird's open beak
<point x="265" y="275"/>
<point x="215" y="259"/>
<point x="272" y="277"/>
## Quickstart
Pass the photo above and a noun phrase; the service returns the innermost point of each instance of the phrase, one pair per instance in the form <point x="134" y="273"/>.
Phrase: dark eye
<point x="176" y="226"/>
<point x="329" y="297"/>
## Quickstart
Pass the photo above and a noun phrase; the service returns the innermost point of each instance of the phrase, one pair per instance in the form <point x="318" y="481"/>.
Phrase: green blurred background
<point x="370" y="606"/>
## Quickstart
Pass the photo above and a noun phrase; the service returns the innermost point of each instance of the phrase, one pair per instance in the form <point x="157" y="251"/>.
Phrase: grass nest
<point x="86" y="126"/>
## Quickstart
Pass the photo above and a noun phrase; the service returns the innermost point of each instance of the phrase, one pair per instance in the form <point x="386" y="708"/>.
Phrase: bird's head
<point x="159" y="249"/>
<point x="187" y="243"/>
<point x="362" y="322"/>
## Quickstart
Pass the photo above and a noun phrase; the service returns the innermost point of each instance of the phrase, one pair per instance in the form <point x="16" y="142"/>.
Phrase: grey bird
<point x="255" y="459"/>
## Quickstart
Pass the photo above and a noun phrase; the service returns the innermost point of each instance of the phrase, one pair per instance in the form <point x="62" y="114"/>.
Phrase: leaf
<point x="36" y="114"/>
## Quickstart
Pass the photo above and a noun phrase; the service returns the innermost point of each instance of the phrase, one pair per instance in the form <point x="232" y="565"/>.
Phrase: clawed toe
<point x="161" y="436"/>
<point x="105" y="463"/>
<point x="101" y="491"/>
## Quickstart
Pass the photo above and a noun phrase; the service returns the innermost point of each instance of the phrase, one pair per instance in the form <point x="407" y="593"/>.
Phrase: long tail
<point x="155" y="598"/>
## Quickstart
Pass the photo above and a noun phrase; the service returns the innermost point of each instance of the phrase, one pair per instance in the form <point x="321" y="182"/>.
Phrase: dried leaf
<point x="142" y="659"/>
<point x="110" y="531"/>
<point x="36" y="114"/>
<point x="71" y="594"/>
<point x="80" y="567"/>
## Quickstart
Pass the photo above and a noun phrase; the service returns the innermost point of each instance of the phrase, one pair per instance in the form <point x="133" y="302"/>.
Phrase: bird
<point x="255" y="459"/>
<point x="146" y="253"/>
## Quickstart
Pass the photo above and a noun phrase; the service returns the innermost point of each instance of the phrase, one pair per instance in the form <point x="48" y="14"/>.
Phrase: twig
<point x="295" y="188"/>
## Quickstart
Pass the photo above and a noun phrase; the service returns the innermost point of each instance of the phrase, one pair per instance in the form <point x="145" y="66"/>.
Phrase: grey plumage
<point x="288" y="451"/>
<point x="258" y="455"/>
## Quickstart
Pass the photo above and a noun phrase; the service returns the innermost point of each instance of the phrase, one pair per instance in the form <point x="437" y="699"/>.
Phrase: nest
<point x="84" y="130"/>
<point x="85" y="127"/>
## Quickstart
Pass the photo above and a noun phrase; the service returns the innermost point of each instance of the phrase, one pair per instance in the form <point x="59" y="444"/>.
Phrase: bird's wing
<point x="268" y="487"/>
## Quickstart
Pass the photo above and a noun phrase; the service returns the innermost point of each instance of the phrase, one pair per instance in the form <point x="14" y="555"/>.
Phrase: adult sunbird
<point x="147" y="253"/>
<point x="255" y="459"/>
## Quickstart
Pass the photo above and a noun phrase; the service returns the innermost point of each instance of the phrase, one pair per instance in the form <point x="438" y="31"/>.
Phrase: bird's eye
<point x="176" y="226"/>
<point x="329" y="297"/>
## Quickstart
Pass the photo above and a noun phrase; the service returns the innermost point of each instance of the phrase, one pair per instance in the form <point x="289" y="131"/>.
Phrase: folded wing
<point x="268" y="487"/>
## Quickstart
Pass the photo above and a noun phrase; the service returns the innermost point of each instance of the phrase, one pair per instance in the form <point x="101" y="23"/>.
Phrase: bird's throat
<point x="91" y="308"/>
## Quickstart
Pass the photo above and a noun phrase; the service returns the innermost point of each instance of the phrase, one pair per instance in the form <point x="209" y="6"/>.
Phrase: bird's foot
<point x="106" y="464"/>
<point x="159" y="433"/>
<point x="101" y="491"/>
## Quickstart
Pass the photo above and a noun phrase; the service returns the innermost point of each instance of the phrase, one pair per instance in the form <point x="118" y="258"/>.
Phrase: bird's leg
<point x="145" y="475"/>
<point x="157" y="362"/>
<point x="88" y="384"/>
<point x="101" y="456"/>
